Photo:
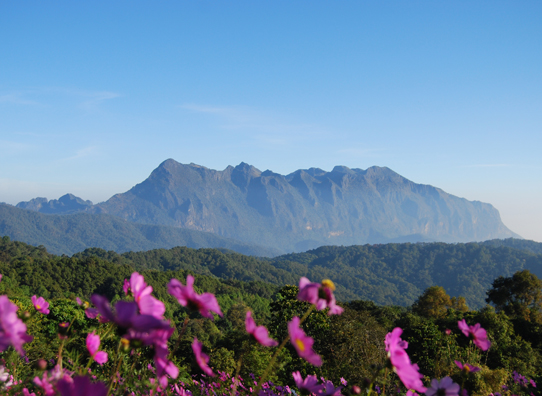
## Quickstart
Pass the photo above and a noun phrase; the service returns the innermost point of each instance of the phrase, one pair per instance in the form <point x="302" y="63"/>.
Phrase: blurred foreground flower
<point x="303" y="343"/>
<point x="41" y="305"/>
<point x="407" y="372"/>
<point x="12" y="329"/>
<point x="187" y="297"/>
<point x="93" y="344"/>
<point x="478" y="334"/>
<point x="201" y="358"/>
<point x="320" y="295"/>
<point x="259" y="333"/>
<point x="445" y="387"/>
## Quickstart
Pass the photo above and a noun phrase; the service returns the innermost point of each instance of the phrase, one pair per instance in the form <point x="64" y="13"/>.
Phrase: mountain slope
<point x="305" y="209"/>
<point x="69" y="234"/>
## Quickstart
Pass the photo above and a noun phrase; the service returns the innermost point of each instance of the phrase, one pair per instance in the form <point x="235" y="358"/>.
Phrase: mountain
<point x="66" y="204"/>
<point x="69" y="234"/>
<point x="305" y="209"/>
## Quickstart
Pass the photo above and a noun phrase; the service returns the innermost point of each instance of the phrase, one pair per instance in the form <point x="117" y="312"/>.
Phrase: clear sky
<point x="95" y="95"/>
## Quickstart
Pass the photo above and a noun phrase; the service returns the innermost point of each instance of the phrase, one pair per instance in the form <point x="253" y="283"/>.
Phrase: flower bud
<point x="41" y="364"/>
<point x="356" y="390"/>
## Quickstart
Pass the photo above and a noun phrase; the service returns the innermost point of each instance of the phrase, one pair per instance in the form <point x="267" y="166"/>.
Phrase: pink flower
<point x="302" y="343"/>
<point x="147" y="304"/>
<point x="260" y="333"/>
<point x="45" y="384"/>
<point x="343" y="381"/>
<point x="407" y="372"/>
<point x="308" y="385"/>
<point x="201" y="358"/>
<point x="466" y="367"/>
<point x="320" y="295"/>
<point x="26" y="392"/>
<point x="478" y="334"/>
<point x="446" y="387"/>
<point x="187" y="297"/>
<point x="80" y="386"/>
<point x="12" y="329"/>
<point x="93" y="344"/>
<point x="40" y="304"/>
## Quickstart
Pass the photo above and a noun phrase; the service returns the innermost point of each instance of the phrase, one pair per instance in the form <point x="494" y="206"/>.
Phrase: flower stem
<point x="276" y="354"/>
<point x="181" y="333"/>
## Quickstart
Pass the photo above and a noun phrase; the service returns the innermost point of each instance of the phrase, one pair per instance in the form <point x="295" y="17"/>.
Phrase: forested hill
<point x="386" y="274"/>
<point x="399" y="273"/>
<point x="69" y="234"/>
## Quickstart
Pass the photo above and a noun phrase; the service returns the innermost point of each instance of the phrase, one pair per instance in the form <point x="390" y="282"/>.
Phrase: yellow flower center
<point x="466" y="368"/>
<point x="38" y="307"/>
<point x="300" y="345"/>
<point x="329" y="284"/>
<point x="125" y="342"/>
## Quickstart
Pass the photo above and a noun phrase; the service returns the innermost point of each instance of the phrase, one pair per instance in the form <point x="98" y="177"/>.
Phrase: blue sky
<point x="95" y="95"/>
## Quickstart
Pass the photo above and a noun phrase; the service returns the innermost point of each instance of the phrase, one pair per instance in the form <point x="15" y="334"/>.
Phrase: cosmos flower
<point x="259" y="333"/>
<point x="445" y="387"/>
<point x="93" y="344"/>
<point x="407" y="372"/>
<point x="45" y="384"/>
<point x="40" y="304"/>
<point x="147" y="304"/>
<point x="302" y="343"/>
<point x="12" y="329"/>
<point x="478" y="334"/>
<point x="320" y="295"/>
<point x="330" y="390"/>
<point x="307" y="385"/>
<point x="80" y="386"/>
<point x="466" y="367"/>
<point x="201" y="358"/>
<point x="187" y="297"/>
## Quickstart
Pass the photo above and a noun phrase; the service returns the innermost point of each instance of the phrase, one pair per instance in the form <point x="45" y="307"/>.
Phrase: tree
<point x="433" y="303"/>
<point x="518" y="296"/>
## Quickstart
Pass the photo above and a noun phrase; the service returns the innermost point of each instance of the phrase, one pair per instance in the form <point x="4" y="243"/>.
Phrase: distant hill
<point x="69" y="234"/>
<point x="305" y="209"/>
<point x="386" y="274"/>
<point x="66" y="204"/>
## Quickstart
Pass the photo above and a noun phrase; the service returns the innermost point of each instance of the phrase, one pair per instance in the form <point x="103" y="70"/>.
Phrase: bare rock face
<point x="305" y="209"/>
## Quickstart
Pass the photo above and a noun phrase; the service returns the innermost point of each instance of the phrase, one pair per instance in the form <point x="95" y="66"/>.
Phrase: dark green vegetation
<point x="296" y="212"/>
<point x="69" y="234"/>
<point x="386" y="274"/>
<point x="350" y="344"/>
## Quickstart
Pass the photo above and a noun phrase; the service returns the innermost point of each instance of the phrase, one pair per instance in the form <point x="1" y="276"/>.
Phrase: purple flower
<point x="93" y="344"/>
<point x="320" y="295"/>
<point x="201" y="358"/>
<point x="343" y="381"/>
<point x="126" y="315"/>
<point x="302" y="343"/>
<point x="532" y="383"/>
<point x="187" y="297"/>
<point x="40" y="304"/>
<point x="407" y="372"/>
<point x="330" y="390"/>
<point x="12" y="329"/>
<point x="466" y="367"/>
<point x="445" y="387"/>
<point x="307" y="385"/>
<point x="478" y="334"/>
<point x="259" y="333"/>
<point x="80" y="386"/>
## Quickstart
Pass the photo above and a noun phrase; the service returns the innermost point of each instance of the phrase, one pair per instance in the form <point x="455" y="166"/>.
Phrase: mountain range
<point x="296" y="212"/>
